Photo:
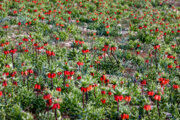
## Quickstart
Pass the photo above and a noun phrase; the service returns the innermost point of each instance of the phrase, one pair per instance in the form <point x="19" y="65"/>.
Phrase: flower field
<point x="89" y="59"/>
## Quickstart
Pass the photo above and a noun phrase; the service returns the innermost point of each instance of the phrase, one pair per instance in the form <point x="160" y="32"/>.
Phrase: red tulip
<point x="157" y="97"/>
<point x="118" y="98"/>
<point x="83" y="89"/>
<point x="51" y="75"/>
<point x="67" y="85"/>
<point x="59" y="73"/>
<point x="150" y="93"/>
<point x="49" y="103"/>
<point x="58" y="89"/>
<point x="92" y="74"/>
<point x="35" y="10"/>
<point x="6" y="52"/>
<point x="15" y="83"/>
<point x="5" y="27"/>
<point x="124" y="116"/>
<point x="109" y="93"/>
<point x="47" y="97"/>
<point x="176" y="87"/>
<point x="113" y="48"/>
<point x="79" y="77"/>
<point x="103" y="101"/>
<point x="140" y="27"/>
<point x="13" y="51"/>
<point x="127" y="98"/>
<point x="103" y="77"/>
<point x="4" y="83"/>
<point x="143" y="82"/>
<point x="67" y="73"/>
<point x="170" y="66"/>
<point x="19" y="23"/>
<point x="147" y="107"/>
<point x="56" y="106"/>
<point x="37" y="86"/>
<point x="103" y="92"/>
<point x="147" y="61"/>
<point x="80" y="63"/>
<point x="1" y="93"/>
<point x="15" y="12"/>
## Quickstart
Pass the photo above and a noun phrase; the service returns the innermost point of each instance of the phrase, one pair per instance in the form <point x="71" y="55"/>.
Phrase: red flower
<point x="69" y="12"/>
<point x="113" y="48"/>
<point x="59" y="73"/>
<point x="56" y="106"/>
<point x="57" y="38"/>
<point x="114" y="86"/>
<point x="15" y="12"/>
<point x="13" y="51"/>
<point x="145" y="26"/>
<point x="173" y="46"/>
<point x="47" y="97"/>
<point x="92" y="74"/>
<point x="30" y="71"/>
<point x="7" y="66"/>
<point x="35" y="10"/>
<point x="83" y="89"/>
<point x="58" y="89"/>
<point x="176" y="87"/>
<point x="5" y="27"/>
<point x="157" y="97"/>
<point x="170" y="66"/>
<point x="150" y="93"/>
<point x="106" y="81"/>
<point x="80" y="63"/>
<point x="26" y="50"/>
<point x="6" y="52"/>
<point x="79" y="77"/>
<point x="1" y="93"/>
<point x="15" y="83"/>
<point x="67" y="85"/>
<point x="156" y="46"/>
<point x="77" y="21"/>
<point x="118" y="98"/>
<point x="85" y="51"/>
<point x="156" y="30"/>
<point x="147" y="107"/>
<point x="103" y="77"/>
<point x="109" y="93"/>
<point x="103" y="92"/>
<point x="127" y="98"/>
<point x="37" y="86"/>
<point x="124" y="116"/>
<point x="51" y="75"/>
<point x="19" y="23"/>
<point x="25" y="39"/>
<point x="103" y="101"/>
<point x="143" y="82"/>
<point x="147" y="61"/>
<point x="107" y="26"/>
<point x="72" y="72"/>
<point x="4" y="83"/>
<point x="67" y="73"/>
<point x="140" y="27"/>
